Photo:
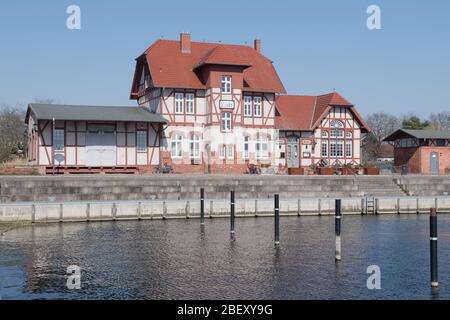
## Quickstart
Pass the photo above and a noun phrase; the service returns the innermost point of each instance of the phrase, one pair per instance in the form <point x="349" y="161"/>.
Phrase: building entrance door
<point x="101" y="146"/>
<point x="293" y="160"/>
<point x="434" y="163"/>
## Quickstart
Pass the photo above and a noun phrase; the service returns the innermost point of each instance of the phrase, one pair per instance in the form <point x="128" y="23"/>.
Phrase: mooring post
<point x="33" y="213"/>
<point x="299" y="207"/>
<point x="232" y="211"/>
<point x="202" y="206"/>
<point x="433" y="248"/>
<point x="88" y="211"/>
<point x="337" y="219"/>
<point x="139" y="210"/>
<point x="61" y="212"/>
<point x="277" y="219"/>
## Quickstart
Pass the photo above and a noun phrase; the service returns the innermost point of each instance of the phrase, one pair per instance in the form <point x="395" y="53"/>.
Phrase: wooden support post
<point x="88" y="212"/>
<point x="232" y="212"/>
<point x="139" y="211"/>
<point x="61" y="212"/>
<point x="33" y="213"/>
<point x="433" y="248"/>
<point x="164" y="210"/>
<point x="277" y="219"/>
<point x="337" y="218"/>
<point x="202" y="206"/>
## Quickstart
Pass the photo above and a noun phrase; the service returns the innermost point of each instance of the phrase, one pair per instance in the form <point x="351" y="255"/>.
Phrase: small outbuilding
<point x="421" y="151"/>
<point x="89" y="139"/>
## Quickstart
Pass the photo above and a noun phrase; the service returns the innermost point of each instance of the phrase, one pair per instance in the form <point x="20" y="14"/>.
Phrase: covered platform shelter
<point x="93" y="139"/>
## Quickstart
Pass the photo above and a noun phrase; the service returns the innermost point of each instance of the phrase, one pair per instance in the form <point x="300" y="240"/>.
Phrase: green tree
<point x="414" y="122"/>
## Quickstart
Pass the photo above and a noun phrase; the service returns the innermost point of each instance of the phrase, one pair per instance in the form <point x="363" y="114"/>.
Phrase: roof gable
<point x="306" y="112"/>
<point x="171" y="68"/>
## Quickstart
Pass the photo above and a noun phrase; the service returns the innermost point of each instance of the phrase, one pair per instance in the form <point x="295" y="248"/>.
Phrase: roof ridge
<point x="313" y="113"/>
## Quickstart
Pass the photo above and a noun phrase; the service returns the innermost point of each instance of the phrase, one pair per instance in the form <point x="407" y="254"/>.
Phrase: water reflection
<point x="177" y="259"/>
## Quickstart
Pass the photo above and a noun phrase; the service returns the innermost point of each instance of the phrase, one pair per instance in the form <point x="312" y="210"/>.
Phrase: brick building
<point x="421" y="151"/>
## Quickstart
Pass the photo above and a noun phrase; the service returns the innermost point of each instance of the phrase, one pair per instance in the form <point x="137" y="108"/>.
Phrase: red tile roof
<point x="306" y="112"/>
<point x="169" y="67"/>
<point x="295" y="112"/>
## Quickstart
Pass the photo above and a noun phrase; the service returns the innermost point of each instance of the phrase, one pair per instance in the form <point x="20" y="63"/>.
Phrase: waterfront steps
<point x="178" y="187"/>
<point x="416" y="185"/>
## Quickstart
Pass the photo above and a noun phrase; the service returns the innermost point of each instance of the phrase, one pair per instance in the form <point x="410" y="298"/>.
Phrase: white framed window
<point x="349" y="149"/>
<point x="337" y="134"/>
<point x="336" y="148"/>
<point x="230" y="152"/>
<point x="226" y="84"/>
<point x="324" y="150"/>
<point x="246" y="147"/>
<point x="324" y="134"/>
<point x="349" y="135"/>
<point x="257" y="106"/>
<point x="262" y="148"/>
<point x="141" y="139"/>
<point x="177" y="146"/>
<point x="58" y="140"/>
<point x="194" y="146"/>
<point x="222" y="152"/>
<point x="247" y="106"/>
<point x="226" y="121"/>
<point x="179" y="102"/>
<point x="190" y="103"/>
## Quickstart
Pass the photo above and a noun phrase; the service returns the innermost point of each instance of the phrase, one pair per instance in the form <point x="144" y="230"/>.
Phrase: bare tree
<point x="382" y="125"/>
<point x="12" y="128"/>
<point x="440" y="121"/>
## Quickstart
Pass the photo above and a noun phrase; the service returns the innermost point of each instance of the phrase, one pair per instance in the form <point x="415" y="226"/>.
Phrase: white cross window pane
<point x="246" y="140"/>
<point x="226" y="121"/>
<point x="58" y="140"/>
<point x="190" y="103"/>
<point x="226" y="84"/>
<point x="230" y="152"/>
<point x="257" y="102"/>
<point x="349" y="149"/>
<point x="222" y="152"/>
<point x="247" y="106"/>
<point x="142" y="141"/>
<point x="324" y="148"/>
<point x="179" y="102"/>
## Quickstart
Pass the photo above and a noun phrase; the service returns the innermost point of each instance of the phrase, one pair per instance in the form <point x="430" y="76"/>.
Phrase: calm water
<point x="179" y="260"/>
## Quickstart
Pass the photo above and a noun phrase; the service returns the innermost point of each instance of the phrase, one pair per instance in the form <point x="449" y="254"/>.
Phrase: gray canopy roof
<point x="419" y="134"/>
<point x="93" y="113"/>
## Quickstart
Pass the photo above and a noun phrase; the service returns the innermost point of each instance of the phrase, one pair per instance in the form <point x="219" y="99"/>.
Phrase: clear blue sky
<point x="316" y="46"/>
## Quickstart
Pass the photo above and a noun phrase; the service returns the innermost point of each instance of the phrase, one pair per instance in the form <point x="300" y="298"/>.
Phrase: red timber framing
<point x="45" y="132"/>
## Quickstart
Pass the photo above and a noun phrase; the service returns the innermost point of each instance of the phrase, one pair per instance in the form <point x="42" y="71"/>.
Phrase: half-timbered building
<point x="320" y="130"/>
<point x="202" y="107"/>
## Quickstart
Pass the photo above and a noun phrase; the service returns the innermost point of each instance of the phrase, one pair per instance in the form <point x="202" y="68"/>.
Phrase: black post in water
<point x="277" y="219"/>
<point x="433" y="248"/>
<point x="202" y="206"/>
<point x="337" y="219"/>
<point x="232" y="212"/>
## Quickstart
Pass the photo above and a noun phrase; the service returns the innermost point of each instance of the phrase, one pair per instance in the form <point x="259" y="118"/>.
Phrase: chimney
<point x="258" y="45"/>
<point x="185" y="42"/>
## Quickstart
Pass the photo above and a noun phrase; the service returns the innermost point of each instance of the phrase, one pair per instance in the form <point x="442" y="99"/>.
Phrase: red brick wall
<point x="444" y="158"/>
<point x="418" y="159"/>
<point x="409" y="156"/>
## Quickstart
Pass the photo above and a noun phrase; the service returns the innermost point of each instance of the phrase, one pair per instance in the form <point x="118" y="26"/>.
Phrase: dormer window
<point x="226" y="84"/>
